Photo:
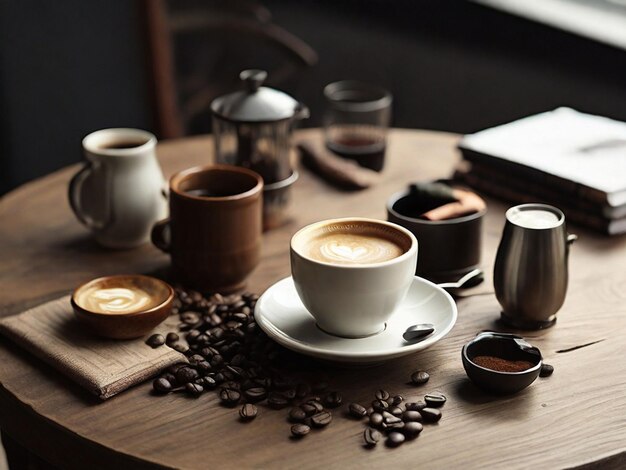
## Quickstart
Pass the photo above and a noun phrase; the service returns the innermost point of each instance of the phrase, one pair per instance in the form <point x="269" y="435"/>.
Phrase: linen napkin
<point x="104" y="367"/>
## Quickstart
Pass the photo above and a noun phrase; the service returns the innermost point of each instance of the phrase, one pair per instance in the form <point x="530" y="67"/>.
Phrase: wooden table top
<point x="574" y="418"/>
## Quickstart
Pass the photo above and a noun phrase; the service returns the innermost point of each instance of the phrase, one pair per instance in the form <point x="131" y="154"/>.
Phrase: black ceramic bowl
<point x="506" y="346"/>
<point x="448" y="248"/>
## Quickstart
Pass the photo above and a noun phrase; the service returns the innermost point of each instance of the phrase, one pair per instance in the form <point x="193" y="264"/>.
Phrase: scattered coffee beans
<point x="371" y="436"/>
<point x="297" y="415"/>
<point x="194" y="389"/>
<point x="248" y="412"/>
<point x="435" y="400"/>
<point x="162" y="385"/>
<point x="299" y="430"/>
<point x="412" y="429"/>
<point x="431" y="415"/>
<point x="382" y="395"/>
<point x="226" y="351"/>
<point x="321" y="419"/>
<point x="171" y="338"/>
<point x="395" y="438"/>
<point x="229" y="396"/>
<point x="410" y="415"/>
<point x="155" y="341"/>
<point x="415" y="406"/>
<point x="376" y="419"/>
<point x="333" y="400"/>
<point x="419" y="377"/>
<point x="546" y="370"/>
<point x="357" y="410"/>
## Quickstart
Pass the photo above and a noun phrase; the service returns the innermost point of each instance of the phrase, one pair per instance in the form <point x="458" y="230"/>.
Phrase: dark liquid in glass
<point x="367" y="152"/>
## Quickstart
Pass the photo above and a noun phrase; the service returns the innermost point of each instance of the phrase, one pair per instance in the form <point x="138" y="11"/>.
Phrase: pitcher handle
<point x="74" y="195"/>
<point x="571" y="238"/>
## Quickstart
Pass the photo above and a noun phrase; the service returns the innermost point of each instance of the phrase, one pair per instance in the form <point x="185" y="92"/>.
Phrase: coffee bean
<point x="370" y="410"/>
<point x="371" y="436"/>
<point x="162" y="385"/>
<point x="195" y="358"/>
<point x="204" y="366"/>
<point x="395" y="438"/>
<point x="412" y="429"/>
<point x="192" y="336"/>
<point x="419" y="377"/>
<point x="390" y="419"/>
<point x="388" y="427"/>
<point x="411" y="415"/>
<point x="229" y="396"/>
<point x="186" y="374"/>
<point x="255" y="394"/>
<point x="356" y="410"/>
<point x="194" y="389"/>
<point x="415" y="406"/>
<point x="308" y="409"/>
<point x="248" y="412"/>
<point x="396" y="400"/>
<point x="395" y="410"/>
<point x="430" y="415"/>
<point x="380" y="405"/>
<point x="376" y="419"/>
<point x="277" y="401"/>
<point x="171" y="378"/>
<point x="435" y="400"/>
<point x="190" y="317"/>
<point x="333" y="400"/>
<point x="155" y="341"/>
<point x="180" y="347"/>
<point x="381" y="395"/>
<point x="299" y="430"/>
<point x="297" y="414"/>
<point x="321" y="419"/>
<point x="171" y="338"/>
<point x="546" y="370"/>
<point x="317" y="405"/>
<point x="207" y="382"/>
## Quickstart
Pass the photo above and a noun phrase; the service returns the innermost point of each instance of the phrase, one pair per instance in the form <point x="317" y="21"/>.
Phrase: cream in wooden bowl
<point x="123" y="306"/>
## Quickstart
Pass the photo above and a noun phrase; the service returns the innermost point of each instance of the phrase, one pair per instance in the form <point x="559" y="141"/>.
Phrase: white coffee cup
<point x="352" y="285"/>
<point x="120" y="192"/>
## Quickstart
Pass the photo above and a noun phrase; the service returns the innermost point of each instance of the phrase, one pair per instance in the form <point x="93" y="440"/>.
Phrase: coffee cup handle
<point x="160" y="235"/>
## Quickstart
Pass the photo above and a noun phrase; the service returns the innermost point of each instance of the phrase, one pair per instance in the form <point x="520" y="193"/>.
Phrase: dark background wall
<point x="67" y="68"/>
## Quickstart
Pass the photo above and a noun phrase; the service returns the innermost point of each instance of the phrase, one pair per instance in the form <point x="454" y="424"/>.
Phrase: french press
<point x="253" y="127"/>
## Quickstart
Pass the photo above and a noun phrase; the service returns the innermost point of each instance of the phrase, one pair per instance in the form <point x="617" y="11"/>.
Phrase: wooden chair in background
<point x="197" y="49"/>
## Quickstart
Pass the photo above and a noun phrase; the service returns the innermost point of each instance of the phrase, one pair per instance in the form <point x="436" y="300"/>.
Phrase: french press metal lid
<point x="256" y="103"/>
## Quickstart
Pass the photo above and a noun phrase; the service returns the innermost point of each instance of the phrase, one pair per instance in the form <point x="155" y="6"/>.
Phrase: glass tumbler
<point x="356" y="122"/>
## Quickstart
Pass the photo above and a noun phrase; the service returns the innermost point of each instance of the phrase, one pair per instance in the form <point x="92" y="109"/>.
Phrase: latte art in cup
<point x="347" y="248"/>
<point x="116" y="300"/>
<point x="352" y="243"/>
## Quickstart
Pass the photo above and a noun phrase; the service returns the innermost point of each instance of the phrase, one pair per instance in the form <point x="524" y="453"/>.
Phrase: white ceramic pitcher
<point x="120" y="192"/>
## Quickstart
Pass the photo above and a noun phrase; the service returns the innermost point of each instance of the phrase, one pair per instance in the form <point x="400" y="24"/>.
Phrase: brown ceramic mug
<point x="214" y="231"/>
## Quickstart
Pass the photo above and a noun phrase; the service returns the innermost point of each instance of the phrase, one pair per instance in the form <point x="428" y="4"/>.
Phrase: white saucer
<point x="280" y="313"/>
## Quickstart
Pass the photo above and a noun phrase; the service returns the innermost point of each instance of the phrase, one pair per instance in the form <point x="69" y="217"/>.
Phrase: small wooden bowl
<point x="503" y="345"/>
<point x="126" y="325"/>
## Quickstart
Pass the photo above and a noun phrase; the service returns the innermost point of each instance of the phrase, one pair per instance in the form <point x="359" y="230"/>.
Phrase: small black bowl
<point x="506" y="346"/>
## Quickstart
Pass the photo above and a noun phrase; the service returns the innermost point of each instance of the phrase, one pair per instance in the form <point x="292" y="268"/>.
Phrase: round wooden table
<point x="576" y="417"/>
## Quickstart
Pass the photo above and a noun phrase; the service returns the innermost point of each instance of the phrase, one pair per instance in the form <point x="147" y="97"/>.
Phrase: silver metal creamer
<point x="531" y="268"/>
